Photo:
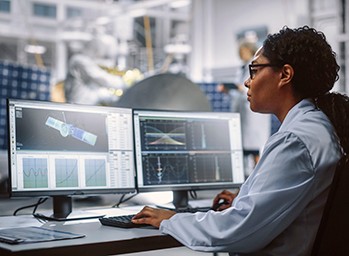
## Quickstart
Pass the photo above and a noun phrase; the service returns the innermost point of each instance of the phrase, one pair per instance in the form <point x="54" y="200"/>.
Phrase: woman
<point x="279" y="207"/>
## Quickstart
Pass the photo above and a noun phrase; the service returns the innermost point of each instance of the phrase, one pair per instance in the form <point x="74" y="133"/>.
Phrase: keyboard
<point x="193" y="210"/>
<point x="123" y="221"/>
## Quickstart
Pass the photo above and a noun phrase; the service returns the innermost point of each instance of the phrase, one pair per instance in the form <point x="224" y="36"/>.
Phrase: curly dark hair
<point x="307" y="51"/>
<point x="315" y="72"/>
<point x="336" y="107"/>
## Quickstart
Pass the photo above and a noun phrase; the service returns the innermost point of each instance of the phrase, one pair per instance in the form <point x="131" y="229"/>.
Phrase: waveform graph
<point x="211" y="168"/>
<point x="95" y="173"/>
<point x="165" y="169"/>
<point x="35" y="173"/>
<point x="209" y="135"/>
<point x="66" y="173"/>
<point x="164" y="135"/>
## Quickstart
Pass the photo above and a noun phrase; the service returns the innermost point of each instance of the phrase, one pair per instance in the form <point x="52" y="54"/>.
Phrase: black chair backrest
<point x="333" y="235"/>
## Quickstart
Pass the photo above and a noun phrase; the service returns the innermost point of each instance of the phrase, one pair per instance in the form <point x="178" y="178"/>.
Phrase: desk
<point x="99" y="240"/>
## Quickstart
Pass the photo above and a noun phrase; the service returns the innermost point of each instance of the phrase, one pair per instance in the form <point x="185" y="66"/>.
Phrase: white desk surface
<point x="98" y="240"/>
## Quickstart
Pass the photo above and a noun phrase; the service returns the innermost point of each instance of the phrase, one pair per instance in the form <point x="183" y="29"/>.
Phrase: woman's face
<point x="263" y="86"/>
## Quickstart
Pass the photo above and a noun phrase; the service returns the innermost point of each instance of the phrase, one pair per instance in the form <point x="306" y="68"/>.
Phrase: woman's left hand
<point x="152" y="216"/>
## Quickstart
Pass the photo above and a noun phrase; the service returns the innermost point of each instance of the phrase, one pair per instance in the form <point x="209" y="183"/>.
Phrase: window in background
<point x="73" y="12"/>
<point x="5" y="6"/>
<point x="45" y="10"/>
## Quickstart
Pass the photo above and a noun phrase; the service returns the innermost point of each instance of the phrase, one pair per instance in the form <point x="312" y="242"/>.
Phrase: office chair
<point x="332" y="237"/>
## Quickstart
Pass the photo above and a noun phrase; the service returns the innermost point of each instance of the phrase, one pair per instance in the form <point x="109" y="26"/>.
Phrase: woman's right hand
<point x="223" y="200"/>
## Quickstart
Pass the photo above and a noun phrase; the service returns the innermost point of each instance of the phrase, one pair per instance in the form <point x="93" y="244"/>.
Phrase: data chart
<point x="35" y="173"/>
<point x="164" y="169"/>
<point x="164" y="135"/>
<point x="95" y="172"/>
<point x="66" y="173"/>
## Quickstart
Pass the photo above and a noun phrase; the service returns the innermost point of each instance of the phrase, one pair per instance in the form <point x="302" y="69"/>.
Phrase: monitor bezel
<point x="63" y="192"/>
<point x="191" y="186"/>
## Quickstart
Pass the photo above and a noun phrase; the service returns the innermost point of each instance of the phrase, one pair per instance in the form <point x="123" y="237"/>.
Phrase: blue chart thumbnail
<point x="66" y="173"/>
<point x="35" y="173"/>
<point x="95" y="172"/>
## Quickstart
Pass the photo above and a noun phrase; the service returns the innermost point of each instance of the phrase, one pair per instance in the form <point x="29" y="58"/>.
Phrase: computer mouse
<point x="216" y="206"/>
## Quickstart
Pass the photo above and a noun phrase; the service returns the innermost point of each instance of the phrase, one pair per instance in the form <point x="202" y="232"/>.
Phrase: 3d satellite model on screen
<point x="66" y="129"/>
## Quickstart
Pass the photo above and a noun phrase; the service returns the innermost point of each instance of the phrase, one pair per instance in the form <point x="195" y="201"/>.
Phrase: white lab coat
<point x="279" y="207"/>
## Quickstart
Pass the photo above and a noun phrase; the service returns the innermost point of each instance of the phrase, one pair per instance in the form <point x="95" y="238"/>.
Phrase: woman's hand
<point x="223" y="200"/>
<point x="152" y="216"/>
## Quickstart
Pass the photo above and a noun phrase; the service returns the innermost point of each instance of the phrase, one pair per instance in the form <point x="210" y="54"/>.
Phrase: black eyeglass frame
<point x="250" y="66"/>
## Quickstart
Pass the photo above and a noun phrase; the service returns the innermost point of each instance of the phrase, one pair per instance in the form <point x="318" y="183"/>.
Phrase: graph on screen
<point x="158" y="134"/>
<point x="187" y="149"/>
<point x="66" y="173"/>
<point x="35" y="173"/>
<point x="60" y="148"/>
<point x="95" y="172"/>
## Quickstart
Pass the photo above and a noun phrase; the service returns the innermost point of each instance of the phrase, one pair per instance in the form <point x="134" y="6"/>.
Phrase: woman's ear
<point x="287" y="73"/>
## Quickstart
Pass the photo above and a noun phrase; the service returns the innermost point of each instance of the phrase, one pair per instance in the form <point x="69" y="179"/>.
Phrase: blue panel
<point x="220" y="102"/>
<point x="20" y="82"/>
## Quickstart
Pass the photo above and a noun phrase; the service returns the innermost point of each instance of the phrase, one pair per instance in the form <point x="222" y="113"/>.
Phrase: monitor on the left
<point x="61" y="150"/>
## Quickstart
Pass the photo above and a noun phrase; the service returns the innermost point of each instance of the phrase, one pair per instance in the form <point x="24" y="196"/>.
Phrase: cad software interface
<point x="57" y="147"/>
<point x="187" y="149"/>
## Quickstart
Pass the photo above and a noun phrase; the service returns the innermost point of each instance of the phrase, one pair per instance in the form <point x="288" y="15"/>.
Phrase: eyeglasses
<point x="253" y="72"/>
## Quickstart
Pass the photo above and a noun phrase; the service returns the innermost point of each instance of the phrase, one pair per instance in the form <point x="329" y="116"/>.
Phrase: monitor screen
<point x="58" y="149"/>
<point x="182" y="151"/>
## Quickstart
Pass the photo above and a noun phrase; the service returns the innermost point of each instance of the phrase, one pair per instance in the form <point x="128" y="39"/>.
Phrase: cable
<point x="193" y="194"/>
<point x="121" y="200"/>
<point x="40" y="201"/>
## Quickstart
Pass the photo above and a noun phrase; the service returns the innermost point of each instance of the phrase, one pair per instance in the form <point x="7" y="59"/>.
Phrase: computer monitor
<point x="184" y="151"/>
<point x="61" y="150"/>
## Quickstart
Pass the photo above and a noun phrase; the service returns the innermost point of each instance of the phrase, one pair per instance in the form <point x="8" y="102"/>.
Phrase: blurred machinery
<point x="89" y="80"/>
<point x="165" y="91"/>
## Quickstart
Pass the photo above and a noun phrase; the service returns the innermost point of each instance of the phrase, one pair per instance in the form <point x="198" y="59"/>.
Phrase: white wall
<point x="215" y="23"/>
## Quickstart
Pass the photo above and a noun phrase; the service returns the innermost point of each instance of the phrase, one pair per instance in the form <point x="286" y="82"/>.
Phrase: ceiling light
<point x="179" y="3"/>
<point x="177" y="48"/>
<point x="35" y="49"/>
<point x="137" y="13"/>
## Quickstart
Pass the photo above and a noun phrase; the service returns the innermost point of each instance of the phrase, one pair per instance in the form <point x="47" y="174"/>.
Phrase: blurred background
<point x="94" y="51"/>
<point x="137" y="53"/>
<point x="161" y="54"/>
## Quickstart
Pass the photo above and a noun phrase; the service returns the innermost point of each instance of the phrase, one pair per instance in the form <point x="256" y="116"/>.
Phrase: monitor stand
<point x="180" y="199"/>
<point x="62" y="211"/>
<point x="181" y="202"/>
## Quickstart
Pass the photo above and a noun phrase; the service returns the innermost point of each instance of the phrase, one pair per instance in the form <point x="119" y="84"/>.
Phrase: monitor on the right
<point x="185" y="151"/>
